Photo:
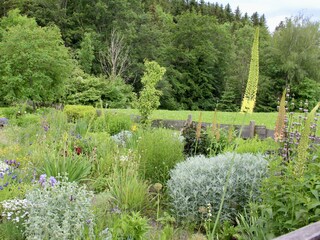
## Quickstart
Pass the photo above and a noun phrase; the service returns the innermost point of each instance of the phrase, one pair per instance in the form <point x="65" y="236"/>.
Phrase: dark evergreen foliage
<point x="204" y="46"/>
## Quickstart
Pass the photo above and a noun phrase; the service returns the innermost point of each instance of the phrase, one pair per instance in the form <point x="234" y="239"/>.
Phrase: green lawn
<point x="236" y="118"/>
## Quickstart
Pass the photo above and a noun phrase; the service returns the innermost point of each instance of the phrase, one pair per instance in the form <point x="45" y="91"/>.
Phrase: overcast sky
<point x="275" y="10"/>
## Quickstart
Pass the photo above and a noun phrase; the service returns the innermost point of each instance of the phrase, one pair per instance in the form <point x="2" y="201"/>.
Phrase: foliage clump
<point x="36" y="68"/>
<point x="149" y="98"/>
<point x="59" y="210"/>
<point x="201" y="141"/>
<point x="159" y="151"/>
<point x="75" y="112"/>
<point x="199" y="181"/>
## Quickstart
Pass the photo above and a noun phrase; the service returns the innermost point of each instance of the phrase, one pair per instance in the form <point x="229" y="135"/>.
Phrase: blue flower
<point x="53" y="181"/>
<point x="42" y="179"/>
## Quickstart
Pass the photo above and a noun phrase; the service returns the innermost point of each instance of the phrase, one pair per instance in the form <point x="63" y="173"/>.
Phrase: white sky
<point x="275" y="10"/>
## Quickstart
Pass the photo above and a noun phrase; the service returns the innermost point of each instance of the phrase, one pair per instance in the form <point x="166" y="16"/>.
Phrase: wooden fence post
<point x="251" y="129"/>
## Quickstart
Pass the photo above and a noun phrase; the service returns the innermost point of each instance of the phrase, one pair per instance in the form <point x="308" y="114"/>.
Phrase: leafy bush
<point x="75" y="112"/>
<point x="199" y="181"/>
<point x="59" y="210"/>
<point x="10" y="231"/>
<point x="112" y="123"/>
<point x="207" y="143"/>
<point x="287" y="202"/>
<point x="159" y="151"/>
<point x="28" y="119"/>
<point x="192" y="144"/>
<point x="90" y="90"/>
<point x="255" y="145"/>
<point x="129" y="226"/>
<point x="149" y="97"/>
<point x="9" y="112"/>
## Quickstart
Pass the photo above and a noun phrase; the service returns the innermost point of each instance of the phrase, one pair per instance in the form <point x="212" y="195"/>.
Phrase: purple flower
<point x="53" y="181"/>
<point x="42" y="179"/>
<point x="46" y="128"/>
<point x="3" y="121"/>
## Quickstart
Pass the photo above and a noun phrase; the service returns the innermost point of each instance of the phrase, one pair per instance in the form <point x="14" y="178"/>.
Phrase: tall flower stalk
<point x="249" y="98"/>
<point x="303" y="146"/>
<point x="247" y="107"/>
<point x="280" y="123"/>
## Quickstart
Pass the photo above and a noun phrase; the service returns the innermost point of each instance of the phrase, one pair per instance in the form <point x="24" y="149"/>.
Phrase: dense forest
<point x="93" y="51"/>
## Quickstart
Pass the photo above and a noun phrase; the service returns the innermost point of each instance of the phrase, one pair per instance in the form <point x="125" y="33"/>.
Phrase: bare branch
<point x="115" y="61"/>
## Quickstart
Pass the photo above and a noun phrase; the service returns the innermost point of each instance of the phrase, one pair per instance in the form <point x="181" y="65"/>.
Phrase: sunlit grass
<point x="236" y="118"/>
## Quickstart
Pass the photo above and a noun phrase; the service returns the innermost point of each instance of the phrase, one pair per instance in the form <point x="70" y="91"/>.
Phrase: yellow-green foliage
<point x="252" y="84"/>
<point x="304" y="143"/>
<point x="149" y="96"/>
<point x="75" y="112"/>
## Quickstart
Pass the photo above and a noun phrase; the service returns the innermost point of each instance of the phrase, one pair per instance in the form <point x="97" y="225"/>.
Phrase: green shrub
<point x="209" y="143"/>
<point x="199" y="181"/>
<point x="112" y="123"/>
<point x="28" y="119"/>
<point x="129" y="226"/>
<point x="255" y="145"/>
<point x="192" y="145"/>
<point x="90" y="90"/>
<point x="9" y="112"/>
<point x="287" y="202"/>
<point x="129" y="191"/>
<point x="59" y="210"/>
<point x="75" y="112"/>
<point x="159" y="151"/>
<point x="10" y="231"/>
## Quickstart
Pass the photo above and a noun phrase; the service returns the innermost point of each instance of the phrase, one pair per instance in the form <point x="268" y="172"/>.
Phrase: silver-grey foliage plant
<point x="59" y="211"/>
<point x="199" y="181"/>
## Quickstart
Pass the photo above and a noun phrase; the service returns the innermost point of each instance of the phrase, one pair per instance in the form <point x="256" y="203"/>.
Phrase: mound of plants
<point x="200" y="181"/>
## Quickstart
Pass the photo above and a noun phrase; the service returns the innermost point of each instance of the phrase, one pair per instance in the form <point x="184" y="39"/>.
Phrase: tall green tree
<point x="198" y="60"/>
<point x="86" y="53"/>
<point x="149" y="96"/>
<point x="34" y="63"/>
<point x="293" y="59"/>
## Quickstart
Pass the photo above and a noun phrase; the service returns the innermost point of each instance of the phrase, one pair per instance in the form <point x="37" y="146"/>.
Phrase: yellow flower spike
<point x="249" y="98"/>
<point x="134" y="127"/>
<point x="278" y="132"/>
<point x="302" y="151"/>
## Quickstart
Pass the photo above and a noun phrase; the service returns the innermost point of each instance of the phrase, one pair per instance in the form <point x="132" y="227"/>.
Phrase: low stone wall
<point x="248" y="131"/>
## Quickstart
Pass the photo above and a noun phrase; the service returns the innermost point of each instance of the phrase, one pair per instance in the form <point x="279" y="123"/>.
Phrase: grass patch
<point x="261" y="118"/>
